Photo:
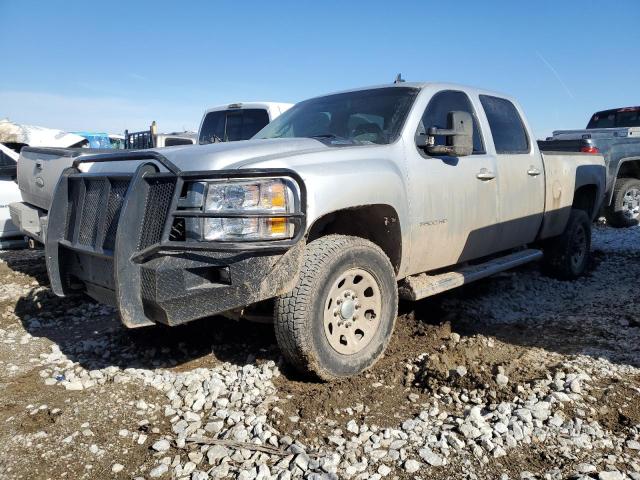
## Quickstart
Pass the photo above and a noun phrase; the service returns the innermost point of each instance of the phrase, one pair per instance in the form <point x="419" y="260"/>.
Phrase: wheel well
<point x="376" y="223"/>
<point x="629" y="169"/>
<point x="584" y="198"/>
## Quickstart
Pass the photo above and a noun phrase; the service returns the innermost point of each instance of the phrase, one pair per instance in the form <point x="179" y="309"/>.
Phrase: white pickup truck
<point x="39" y="168"/>
<point x="325" y="217"/>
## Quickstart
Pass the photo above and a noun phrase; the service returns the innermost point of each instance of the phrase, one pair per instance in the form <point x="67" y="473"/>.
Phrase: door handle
<point x="485" y="175"/>
<point x="39" y="164"/>
<point x="533" y="171"/>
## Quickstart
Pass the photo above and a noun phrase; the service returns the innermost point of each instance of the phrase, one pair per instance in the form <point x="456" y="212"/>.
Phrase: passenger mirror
<point x="459" y="135"/>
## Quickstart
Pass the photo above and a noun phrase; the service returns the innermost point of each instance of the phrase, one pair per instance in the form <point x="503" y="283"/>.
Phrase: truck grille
<point x="95" y="207"/>
<point x="116" y="199"/>
<point x="96" y="204"/>
<point x="157" y="205"/>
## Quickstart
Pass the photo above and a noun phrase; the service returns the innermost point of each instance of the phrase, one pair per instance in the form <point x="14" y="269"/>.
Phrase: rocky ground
<point x="518" y="376"/>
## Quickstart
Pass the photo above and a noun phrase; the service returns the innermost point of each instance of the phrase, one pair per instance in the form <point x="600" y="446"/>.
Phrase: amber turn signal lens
<point x="277" y="225"/>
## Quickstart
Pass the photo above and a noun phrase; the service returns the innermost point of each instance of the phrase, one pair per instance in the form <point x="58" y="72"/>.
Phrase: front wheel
<point x="624" y="210"/>
<point x="567" y="256"/>
<point x="338" y="319"/>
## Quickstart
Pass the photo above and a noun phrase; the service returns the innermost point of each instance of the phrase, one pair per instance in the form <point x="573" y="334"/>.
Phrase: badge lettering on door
<point x="433" y="223"/>
<point x="39" y="182"/>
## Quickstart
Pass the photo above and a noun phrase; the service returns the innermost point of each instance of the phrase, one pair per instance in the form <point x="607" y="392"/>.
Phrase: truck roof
<point x="616" y="110"/>
<point x="434" y="85"/>
<point x="245" y="105"/>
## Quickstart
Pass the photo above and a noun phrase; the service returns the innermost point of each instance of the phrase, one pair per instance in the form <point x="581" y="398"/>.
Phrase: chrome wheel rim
<point x="352" y="312"/>
<point x="579" y="247"/>
<point x="631" y="203"/>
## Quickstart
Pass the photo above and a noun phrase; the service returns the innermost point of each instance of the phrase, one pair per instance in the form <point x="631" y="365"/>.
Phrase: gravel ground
<point x="518" y="376"/>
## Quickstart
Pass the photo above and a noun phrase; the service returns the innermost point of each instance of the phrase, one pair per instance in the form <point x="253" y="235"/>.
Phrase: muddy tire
<point x="567" y="256"/>
<point x="338" y="319"/>
<point x="624" y="210"/>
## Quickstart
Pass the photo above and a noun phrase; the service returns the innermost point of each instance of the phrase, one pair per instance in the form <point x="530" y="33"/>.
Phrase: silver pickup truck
<point x="615" y="134"/>
<point x="324" y="218"/>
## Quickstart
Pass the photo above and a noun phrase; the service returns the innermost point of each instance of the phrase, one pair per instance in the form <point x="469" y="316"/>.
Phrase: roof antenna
<point x="398" y="79"/>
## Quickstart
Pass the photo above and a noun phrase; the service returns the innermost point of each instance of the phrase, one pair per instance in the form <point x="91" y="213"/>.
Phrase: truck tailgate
<point x="40" y="168"/>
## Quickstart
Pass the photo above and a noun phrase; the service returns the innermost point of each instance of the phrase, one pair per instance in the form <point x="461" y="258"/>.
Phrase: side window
<point x="440" y="105"/>
<point x="509" y="134"/>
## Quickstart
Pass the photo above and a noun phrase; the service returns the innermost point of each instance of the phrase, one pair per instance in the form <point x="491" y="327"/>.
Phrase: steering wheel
<point x="369" y="132"/>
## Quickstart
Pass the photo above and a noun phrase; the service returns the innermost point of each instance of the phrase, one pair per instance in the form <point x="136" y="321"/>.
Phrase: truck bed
<point x="564" y="173"/>
<point x="596" y="133"/>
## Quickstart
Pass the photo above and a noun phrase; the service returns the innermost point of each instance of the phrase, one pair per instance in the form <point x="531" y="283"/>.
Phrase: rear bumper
<point x="110" y="236"/>
<point x="30" y="220"/>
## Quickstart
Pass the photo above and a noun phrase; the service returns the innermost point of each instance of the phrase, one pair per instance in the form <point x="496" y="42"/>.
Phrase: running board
<point x="423" y="285"/>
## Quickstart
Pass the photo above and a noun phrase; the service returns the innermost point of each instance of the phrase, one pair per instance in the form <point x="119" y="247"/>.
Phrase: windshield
<point x="373" y="116"/>
<point x="232" y="125"/>
<point x="625" y="117"/>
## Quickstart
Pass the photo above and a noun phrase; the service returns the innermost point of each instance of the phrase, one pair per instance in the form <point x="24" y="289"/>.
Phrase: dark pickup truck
<point x="615" y="134"/>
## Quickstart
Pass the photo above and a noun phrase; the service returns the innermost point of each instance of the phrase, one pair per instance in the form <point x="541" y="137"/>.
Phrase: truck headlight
<point x="253" y="209"/>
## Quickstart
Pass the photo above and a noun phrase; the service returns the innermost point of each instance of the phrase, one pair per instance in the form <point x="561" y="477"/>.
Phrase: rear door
<point x="520" y="174"/>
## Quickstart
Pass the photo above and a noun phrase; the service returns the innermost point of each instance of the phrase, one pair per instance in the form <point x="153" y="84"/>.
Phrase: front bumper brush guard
<point x="126" y="255"/>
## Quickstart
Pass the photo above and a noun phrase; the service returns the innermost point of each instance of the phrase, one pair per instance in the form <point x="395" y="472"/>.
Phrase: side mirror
<point x="459" y="134"/>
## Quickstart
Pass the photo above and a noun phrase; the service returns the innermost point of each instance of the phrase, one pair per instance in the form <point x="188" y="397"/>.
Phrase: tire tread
<point x="290" y="310"/>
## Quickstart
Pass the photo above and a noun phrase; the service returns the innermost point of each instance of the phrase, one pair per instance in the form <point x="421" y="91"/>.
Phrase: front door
<point x="455" y="208"/>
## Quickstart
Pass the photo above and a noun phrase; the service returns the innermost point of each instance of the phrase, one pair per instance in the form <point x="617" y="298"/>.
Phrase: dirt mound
<point x="478" y="363"/>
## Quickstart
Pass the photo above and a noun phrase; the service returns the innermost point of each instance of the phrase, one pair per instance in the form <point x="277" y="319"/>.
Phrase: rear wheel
<point x="567" y="256"/>
<point x="624" y="210"/>
<point x="338" y="319"/>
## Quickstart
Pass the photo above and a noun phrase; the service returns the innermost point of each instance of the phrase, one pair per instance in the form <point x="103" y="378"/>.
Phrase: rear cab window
<point x="507" y="128"/>
<point x="232" y="125"/>
<point x="623" y="117"/>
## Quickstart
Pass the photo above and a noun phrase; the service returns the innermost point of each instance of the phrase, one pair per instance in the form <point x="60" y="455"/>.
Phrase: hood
<point x="220" y="156"/>
<point x="240" y="154"/>
<point x="34" y="136"/>
<point x="259" y="153"/>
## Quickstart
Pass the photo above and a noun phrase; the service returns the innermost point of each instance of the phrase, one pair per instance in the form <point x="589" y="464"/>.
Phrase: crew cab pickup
<point x="324" y="218"/>
<point x="39" y="169"/>
<point x="616" y="135"/>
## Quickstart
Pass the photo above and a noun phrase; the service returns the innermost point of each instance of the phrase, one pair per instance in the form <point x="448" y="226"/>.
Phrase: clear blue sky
<point x="116" y="65"/>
